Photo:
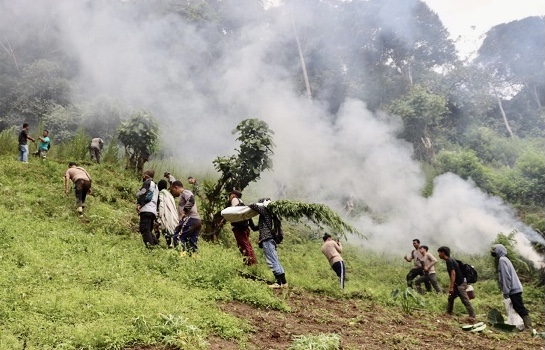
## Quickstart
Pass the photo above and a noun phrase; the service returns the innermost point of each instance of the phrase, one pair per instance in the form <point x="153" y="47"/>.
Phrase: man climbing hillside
<point x="332" y="250"/>
<point x="82" y="184"/>
<point x="189" y="226"/>
<point x="241" y="230"/>
<point x="146" y="206"/>
<point x="267" y="243"/>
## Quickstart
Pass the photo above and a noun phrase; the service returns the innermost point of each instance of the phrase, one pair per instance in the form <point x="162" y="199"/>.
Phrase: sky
<point x="468" y="20"/>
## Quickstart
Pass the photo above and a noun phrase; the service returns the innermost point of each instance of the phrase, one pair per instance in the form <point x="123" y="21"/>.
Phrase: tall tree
<point x="139" y="137"/>
<point x="238" y="171"/>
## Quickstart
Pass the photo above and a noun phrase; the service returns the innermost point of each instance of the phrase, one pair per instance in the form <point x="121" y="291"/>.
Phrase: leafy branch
<point x="319" y="214"/>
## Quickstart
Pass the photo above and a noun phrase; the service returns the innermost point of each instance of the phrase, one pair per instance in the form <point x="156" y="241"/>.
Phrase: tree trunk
<point x="303" y="66"/>
<point x="505" y="121"/>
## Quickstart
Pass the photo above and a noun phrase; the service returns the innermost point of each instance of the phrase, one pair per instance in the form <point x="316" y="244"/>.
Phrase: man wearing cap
<point x="82" y="184"/>
<point x="241" y="230"/>
<point x="169" y="177"/>
<point x="332" y="250"/>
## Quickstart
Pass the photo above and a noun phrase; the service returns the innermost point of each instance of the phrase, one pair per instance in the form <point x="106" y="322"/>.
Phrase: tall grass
<point x="8" y="142"/>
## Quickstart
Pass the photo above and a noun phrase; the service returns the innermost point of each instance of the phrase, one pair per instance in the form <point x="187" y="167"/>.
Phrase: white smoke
<point x="200" y="93"/>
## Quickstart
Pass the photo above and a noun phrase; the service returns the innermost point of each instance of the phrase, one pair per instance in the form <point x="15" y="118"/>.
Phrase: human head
<point x="25" y="125"/>
<point x="166" y="174"/>
<point x="176" y="188"/>
<point x="45" y="132"/>
<point x="444" y="252"/>
<point x="235" y="194"/>
<point x="162" y="184"/>
<point x="72" y="164"/>
<point x="326" y="237"/>
<point x="149" y="173"/>
<point x="416" y="243"/>
<point x="191" y="180"/>
<point x="498" y="250"/>
<point x="423" y="249"/>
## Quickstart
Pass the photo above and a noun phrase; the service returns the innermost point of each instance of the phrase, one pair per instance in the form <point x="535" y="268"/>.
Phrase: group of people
<point x="43" y="145"/>
<point x="508" y="280"/>
<point x="180" y="224"/>
<point x="159" y="215"/>
<point x="95" y="147"/>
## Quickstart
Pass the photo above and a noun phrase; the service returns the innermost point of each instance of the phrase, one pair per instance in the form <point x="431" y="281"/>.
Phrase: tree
<point x="139" y="137"/>
<point x="512" y="54"/>
<point x="421" y="112"/>
<point x="238" y="171"/>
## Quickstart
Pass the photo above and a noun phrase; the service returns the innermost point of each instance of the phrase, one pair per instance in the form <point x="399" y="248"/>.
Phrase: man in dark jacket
<point x="457" y="285"/>
<point x="267" y="243"/>
<point x="509" y="283"/>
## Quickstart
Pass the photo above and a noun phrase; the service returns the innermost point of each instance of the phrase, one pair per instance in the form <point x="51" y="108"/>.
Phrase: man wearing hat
<point x="169" y="177"/>
<point x="332" y="250"/>
<point x="241" y="230"/>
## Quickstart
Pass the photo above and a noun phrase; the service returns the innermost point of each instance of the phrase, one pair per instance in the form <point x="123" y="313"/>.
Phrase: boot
<point x="527" y="322"/>
<point x="277" y="284"/>
<point x="283" y="281"/>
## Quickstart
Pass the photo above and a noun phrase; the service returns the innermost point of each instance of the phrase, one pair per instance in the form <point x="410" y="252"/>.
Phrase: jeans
<point x="271" y="257"/>
<point x="460" y="291"/>
<point x="23" y="153"/>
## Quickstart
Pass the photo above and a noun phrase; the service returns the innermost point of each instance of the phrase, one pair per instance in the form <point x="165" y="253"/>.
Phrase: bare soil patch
<point x="363" y="324"/>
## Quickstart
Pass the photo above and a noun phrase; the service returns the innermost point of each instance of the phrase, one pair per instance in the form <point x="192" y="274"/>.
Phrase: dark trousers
<point x="242" y="235"/>
<point x="518" y="304"/>
<point x="339" y="269"/>
<point x="187" y="233"/>
<point x="415" y="272"/>
<point x="146" y="228"/>
<point x="460" y="291"/>
<point x="81" y="188"/>
<point x="95" y="154"/>
<point x="427" y="278"/>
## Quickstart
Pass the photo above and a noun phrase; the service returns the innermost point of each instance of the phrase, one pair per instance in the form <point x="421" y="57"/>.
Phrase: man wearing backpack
<point x="267" y="242"/>
<point x="509" y="283"/>
<point x="241" y="230"/>
<point x="457" y="285"/>
<point x="146" y="206"/>
<point x="82" y="184"/>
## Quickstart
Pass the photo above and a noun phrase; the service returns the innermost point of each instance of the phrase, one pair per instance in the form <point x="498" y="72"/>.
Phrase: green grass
<point x="67" y="283"/>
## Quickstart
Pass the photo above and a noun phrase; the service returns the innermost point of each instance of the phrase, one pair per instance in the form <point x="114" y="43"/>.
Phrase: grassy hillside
<point x="71" y="283"/>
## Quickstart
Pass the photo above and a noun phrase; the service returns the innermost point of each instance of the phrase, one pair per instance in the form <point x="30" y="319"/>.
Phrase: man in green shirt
<point x="44" y="144"/>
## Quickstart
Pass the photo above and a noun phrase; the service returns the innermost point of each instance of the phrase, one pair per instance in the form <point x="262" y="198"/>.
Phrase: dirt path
<point x="364" y="325"/>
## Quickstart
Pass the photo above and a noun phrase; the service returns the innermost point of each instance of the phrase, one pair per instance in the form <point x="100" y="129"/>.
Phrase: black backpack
<point x="468" y="271"/>
<point x="277" y="232"/>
